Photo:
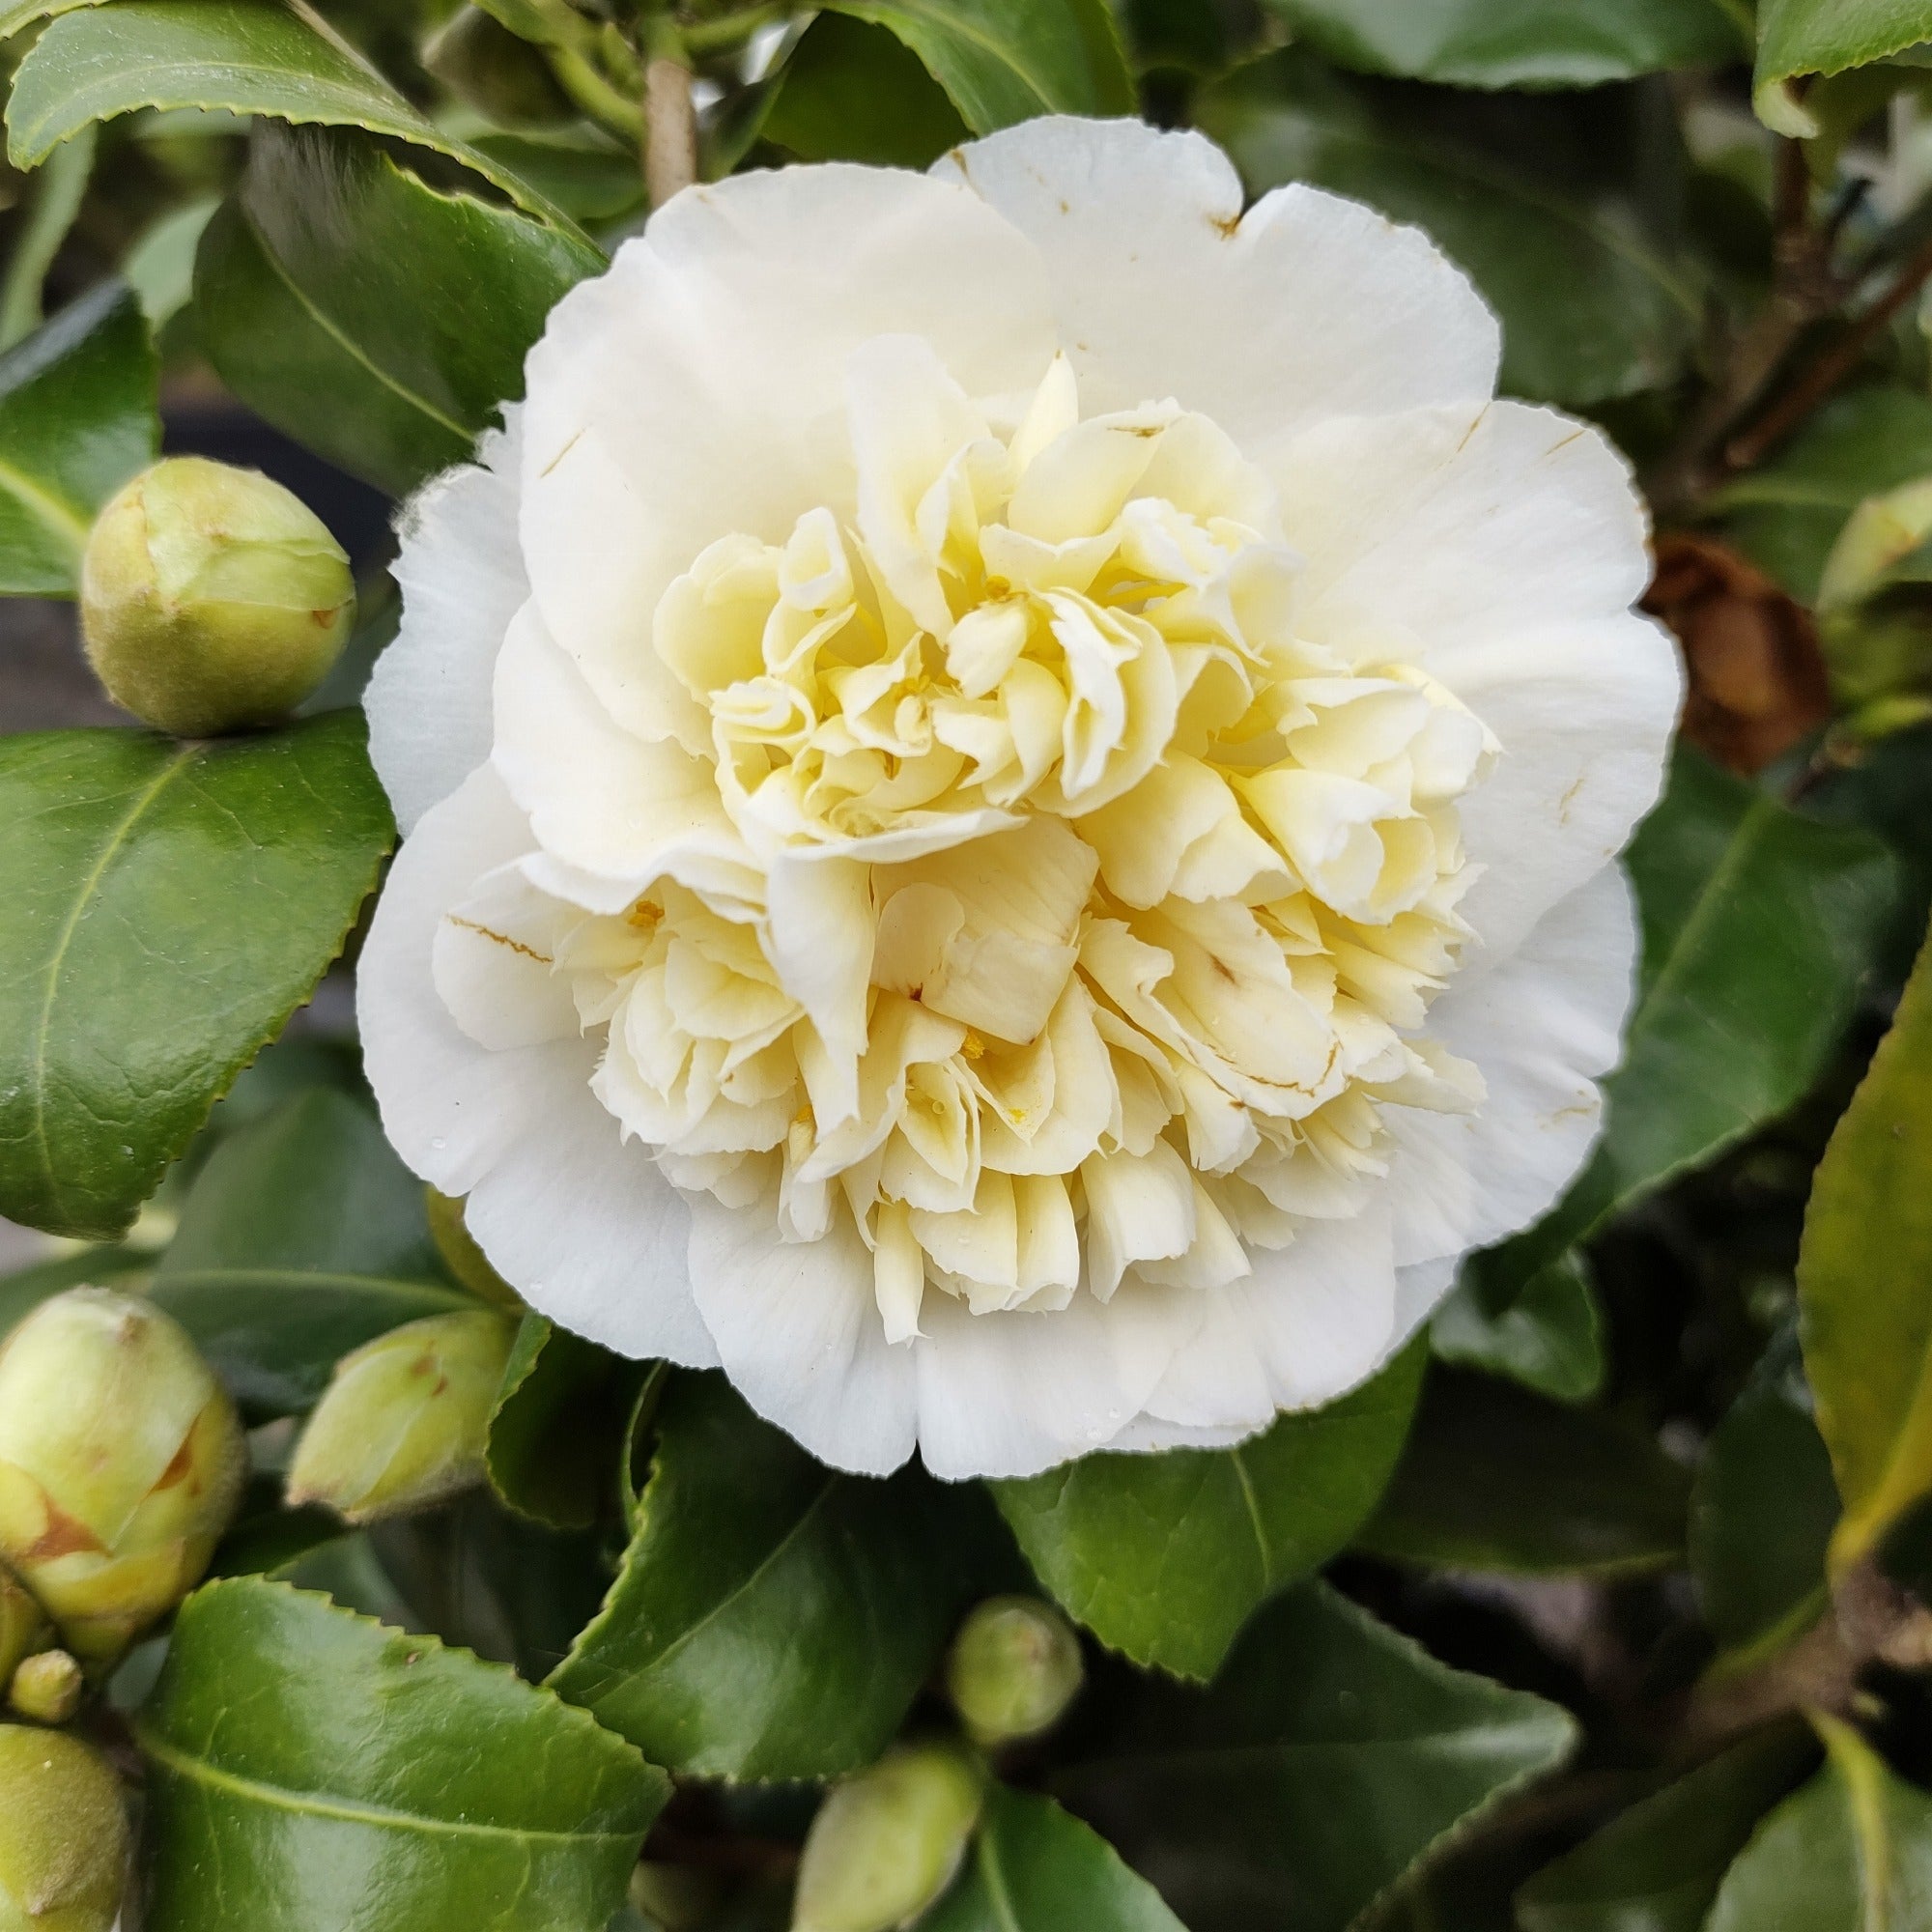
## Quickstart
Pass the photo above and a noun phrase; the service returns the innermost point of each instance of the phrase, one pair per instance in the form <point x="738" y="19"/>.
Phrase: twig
<point x="1830" y="369"/>
<point x="670" y="122"/>
<point x="1803" y="290"/>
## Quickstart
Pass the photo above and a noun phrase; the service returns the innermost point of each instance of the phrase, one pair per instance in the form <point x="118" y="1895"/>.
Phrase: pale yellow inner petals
<point x="1160" y="888"/>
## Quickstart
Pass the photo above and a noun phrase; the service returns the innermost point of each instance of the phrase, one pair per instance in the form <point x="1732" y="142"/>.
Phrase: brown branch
<point x="1831" y="368"/>
<point x="670" y="126"/>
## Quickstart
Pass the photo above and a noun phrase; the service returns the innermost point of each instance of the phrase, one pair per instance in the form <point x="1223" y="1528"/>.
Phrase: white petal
<point x="1543" y="1026"/>
<point x="819" y="931"/>
<point x="599" y="797"/>
<point x="1013" y="1394"/>
<point x="585" y="1228"/>
<point x="1506" y="545"/>
<point x="494" y="960"/>
<point x="462" y="579"/>
<point x="1310" y="307"/>
<point x="697" y="388"/>
<point x="797" y="1327"/>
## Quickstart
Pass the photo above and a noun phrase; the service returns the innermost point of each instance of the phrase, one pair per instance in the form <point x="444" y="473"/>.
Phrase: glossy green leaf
<point x="94" y="63"/>
<point x="168" y="907"/>
<point x="1495" y="1478"/>
<point x="773" y="1618"/>
<point x="1656" y="1867"/>
<point x="1590" y="308"/>
<point x="1828" y="36"/>
<point x="1547" y="1335"/>
<point x="560" y="1426"/>
<point x="1787" y="513"/>
<point x="1862" y="1275"/>
<point x="1759" y="928"/>
<point x="1035" y="1868"/>
<point x="57" y="196"/>
<point x="304" y="1238"/>
<point x="1517" y="43"/>
<point x="335" y="293"/>
<point x="77" y="418"/>
<point x="852" y="92"/>
<point x="1327" y="1759"/>
<point x="1004" y="61"/>
<point x="1852" y="1852"/>
<point x="309" y="1769"/>
<point x="25" y="1289"/>
<point x="1163" y="1557"/>
<point x="1763" y="1509"/>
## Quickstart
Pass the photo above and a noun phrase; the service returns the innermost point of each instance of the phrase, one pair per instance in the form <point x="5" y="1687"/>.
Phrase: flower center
<point x="1159" y="890"/>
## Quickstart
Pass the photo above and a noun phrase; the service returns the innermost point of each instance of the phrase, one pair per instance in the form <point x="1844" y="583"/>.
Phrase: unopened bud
<point x="1015" y="1667"/>
<point x="211" y="598"/>
<point x="24" y="1625"/>
<point x="63" y="1835"/>
<point x="404" y="1422"/>
<point x="120" y="1464"/>
<point x="888" y="1842"/>
<point x="1878" y="536"/>
<point x="461" y="1255"/>
<point x="48" y="1688"/>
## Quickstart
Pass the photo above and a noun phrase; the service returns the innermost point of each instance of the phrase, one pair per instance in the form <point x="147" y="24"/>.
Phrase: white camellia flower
<point x="1012" y="780"/>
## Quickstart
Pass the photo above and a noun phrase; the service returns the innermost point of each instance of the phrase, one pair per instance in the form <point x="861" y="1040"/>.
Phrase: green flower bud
<point x="888" y="1842"/>
<point x="1878" y="536"/>
<point x="63" y="1835"/>
<point x="461" y="1255"/>
<point x="404" y="1421"/>
<point x="120" y="1464"/>
<point x="1015" y="1667"/>
<point x="211" y="598"/>
<point x="48" y="1688"/>
<point x="24" y="1625"/>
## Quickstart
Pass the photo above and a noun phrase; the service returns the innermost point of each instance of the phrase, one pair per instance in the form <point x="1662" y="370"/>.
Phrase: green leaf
<point x="773" y="1618"/>
<point x="1658" y="1866"/>
<point x="168" y="907"/>
<point x="1759" y="928"/>
<point x="1852" y="1849"/>
<point x="851" y="92"/>
<point x="558" y="1427"/>
<point x="1033" y="1868"/>
<point x="1763" y="1509"/>
<point x="1590" y="309"/>
<point x="1498" y="1479"/>
<point x="1786" y="515"/>
<point x="1862" y="1275"/>
<point x="1163" y="1557"/>
<point x="1006" y="61"/>
<point x="307" y="1768"/>
<point x="95" y="63"/>
<point x="304" y="1238"/>
<point x="1517" y="43"/>
<point x="77" y="418"/>
<point x="25" y="1289"/>
<point x="56" y="202"/>
<point x="1329" y="1757"/>
<point x="1548" y="1335"/>
<point x="336" y="293"/>
<point x="1828" y="36"/>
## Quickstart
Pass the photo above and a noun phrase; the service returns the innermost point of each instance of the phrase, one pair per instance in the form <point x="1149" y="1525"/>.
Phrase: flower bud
<point x="1015" y="1667"/>
<point x="211" y="598"/>
<point x="405" y="1419"/>
<point x="48" y="1688"/>
<point x="886" y="1842"/>
<point x="120" y="1464"/>
<point x="63" y="1835"/>
<point x="24" y="1626"/>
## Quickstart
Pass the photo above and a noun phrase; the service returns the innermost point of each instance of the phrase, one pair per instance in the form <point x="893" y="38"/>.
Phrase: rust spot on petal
<point x="183" y="1462"/>
<point x="64" y="1536"/>
<point x="500" y="938"/>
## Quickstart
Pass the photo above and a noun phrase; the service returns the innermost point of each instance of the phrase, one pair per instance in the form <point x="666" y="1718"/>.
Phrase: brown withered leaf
<point x="1758" y="678"/>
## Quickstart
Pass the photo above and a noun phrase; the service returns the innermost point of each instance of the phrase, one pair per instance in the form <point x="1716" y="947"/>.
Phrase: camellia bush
<point x="1050" y="1060"/>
